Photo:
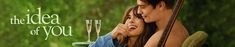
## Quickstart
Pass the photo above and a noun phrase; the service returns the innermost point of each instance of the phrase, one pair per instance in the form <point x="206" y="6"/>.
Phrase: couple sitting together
<point x="143" y="26"/>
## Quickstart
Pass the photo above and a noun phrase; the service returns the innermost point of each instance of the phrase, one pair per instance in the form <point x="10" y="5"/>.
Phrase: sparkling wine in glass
<point x="97" y="27"/>
<point x="88" y="27"/>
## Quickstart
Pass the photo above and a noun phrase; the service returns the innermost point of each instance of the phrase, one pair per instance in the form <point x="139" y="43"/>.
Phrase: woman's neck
<point x="132" y="41"/>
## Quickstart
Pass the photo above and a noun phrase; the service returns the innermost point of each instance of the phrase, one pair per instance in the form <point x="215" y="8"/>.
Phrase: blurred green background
<point x="216" y="17"/>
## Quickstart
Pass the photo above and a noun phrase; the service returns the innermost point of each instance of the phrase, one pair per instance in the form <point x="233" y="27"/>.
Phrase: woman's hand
<point x="120" y="33"/>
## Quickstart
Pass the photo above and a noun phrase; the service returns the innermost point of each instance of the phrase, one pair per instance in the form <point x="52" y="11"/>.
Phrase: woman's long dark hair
<point x="149" y="28"/>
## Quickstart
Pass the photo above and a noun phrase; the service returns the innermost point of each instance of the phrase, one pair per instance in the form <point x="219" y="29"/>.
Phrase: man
<point x="159" y="12"/>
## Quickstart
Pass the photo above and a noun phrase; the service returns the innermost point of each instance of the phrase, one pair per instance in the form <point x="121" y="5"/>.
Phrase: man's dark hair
<point x="153" y="3"/>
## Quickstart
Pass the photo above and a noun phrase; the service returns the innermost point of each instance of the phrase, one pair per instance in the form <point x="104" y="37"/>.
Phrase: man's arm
<point x="154" y="39"/>
<point x="177" y="36"/>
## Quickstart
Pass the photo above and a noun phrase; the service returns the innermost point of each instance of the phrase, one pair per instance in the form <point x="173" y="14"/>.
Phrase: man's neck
<point x="164" y="19"/>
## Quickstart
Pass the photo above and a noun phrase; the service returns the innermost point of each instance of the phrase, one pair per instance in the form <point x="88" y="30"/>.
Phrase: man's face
<point x="149" y="13"/>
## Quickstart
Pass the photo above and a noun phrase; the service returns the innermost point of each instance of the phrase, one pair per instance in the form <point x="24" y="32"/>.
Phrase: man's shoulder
<point x="179" y="29"/>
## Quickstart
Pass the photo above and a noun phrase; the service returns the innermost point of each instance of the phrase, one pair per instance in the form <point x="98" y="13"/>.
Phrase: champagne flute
<point x="88" y="26"/>
<point x="98" y="26"/>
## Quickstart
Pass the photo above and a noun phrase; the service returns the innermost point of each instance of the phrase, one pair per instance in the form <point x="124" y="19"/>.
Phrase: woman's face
<point x="135" y="24"/>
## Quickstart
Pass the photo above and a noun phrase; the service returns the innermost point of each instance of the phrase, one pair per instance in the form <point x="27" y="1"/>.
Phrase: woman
<point x="133" y="32"/>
